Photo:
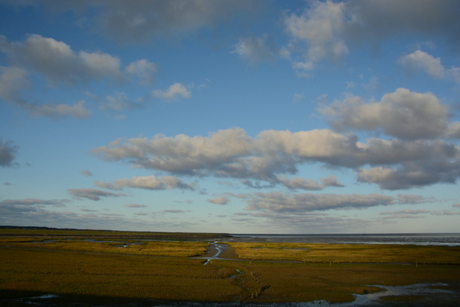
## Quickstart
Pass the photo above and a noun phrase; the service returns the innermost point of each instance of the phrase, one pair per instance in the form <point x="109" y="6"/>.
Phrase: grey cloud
<point x="221" y="200"/>
<point x="456" y="205"/>
<point x="77" y="111"/>
<point x="406" y="211"/>
<point x="135" y="206"/>
<point x="386" y="18"/>
<point x="328" y="30"/>
<point x="308" y="184"/>
<point x="301" y="222"/>
<point x="31" y="202"/>
<point x="149" y="183"/>
<point x="174" y="211"/>
<point x="12" y="80"/>
<point x="256" y="49"/>
<point x="128" y="23"/>
<point x="414" y="174"/>
<point x="58" y="62"/>
<point x="86" y="173"/>
<point x="445" y="212"/>
<point x="403" y="114"/>
<point x="280" y="202"/>
<point x="7" y="153"/>
<point x="34" y="215"/>
<point x="454" y="130"/>
<point x="92" y="194"/>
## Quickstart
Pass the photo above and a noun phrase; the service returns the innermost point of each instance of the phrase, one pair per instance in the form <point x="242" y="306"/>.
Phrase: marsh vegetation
<point x="101" y="273"/>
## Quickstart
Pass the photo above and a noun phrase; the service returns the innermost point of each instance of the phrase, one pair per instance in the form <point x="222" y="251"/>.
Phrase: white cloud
<point x="320" y="27"/>
<point x="174" y="92"/>
<point x="403" y="114"/>
<point x="149" y="183"/>
<point x="419" y="60"/>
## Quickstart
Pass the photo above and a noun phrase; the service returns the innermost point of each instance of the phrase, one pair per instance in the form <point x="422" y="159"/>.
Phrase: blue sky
<point x="231" y="116"/>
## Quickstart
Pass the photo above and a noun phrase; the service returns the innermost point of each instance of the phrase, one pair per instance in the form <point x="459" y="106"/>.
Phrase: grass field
<point x="103" y="274"/>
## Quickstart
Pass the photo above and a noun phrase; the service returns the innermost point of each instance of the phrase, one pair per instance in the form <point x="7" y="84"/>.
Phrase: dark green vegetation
<point x="103" y="273"/>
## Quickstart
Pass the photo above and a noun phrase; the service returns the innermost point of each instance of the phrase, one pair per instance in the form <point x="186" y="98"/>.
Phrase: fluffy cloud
<point x="220" y="200"/>
<point x="403" y="114"/>
<point x="7" y="153"/>
<point x="174" y="92"/>
<point x="420" y="60"/>
<point x="59" y="64"/>
<point x="255" y="49"/>
<point x="280" y="202"/>
<point x="320" y="27"/>
<point x="231" y="153"/>
<point x="92" y="194"/>
<point x="149" y="183"/>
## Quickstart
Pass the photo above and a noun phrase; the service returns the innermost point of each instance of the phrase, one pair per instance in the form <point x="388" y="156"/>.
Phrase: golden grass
<point x="339" y="253"/>
<point x="149" y="248"/>
<point x="113" y="275"/>
<point x="332" y="272"/>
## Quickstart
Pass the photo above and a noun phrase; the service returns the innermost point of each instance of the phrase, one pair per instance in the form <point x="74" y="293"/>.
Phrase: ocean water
<point x="447" y="239"/>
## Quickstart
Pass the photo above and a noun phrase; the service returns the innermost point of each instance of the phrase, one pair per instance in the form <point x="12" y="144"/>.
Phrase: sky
<point x="231" y="116"/>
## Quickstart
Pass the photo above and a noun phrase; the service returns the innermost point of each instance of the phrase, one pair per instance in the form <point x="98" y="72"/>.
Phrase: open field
<point x="102" y="273"/>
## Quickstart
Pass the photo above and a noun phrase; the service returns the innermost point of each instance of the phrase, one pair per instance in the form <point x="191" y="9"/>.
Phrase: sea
<point x="446" y="239"/>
